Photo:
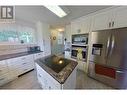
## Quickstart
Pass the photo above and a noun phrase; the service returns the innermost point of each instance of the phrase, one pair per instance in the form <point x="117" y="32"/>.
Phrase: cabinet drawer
<point x="14" y="62"/>
<point x="26" y="68"/>
<point x="27" y="58"/>
<point x="42" y="80"/>
<point x="38" y="55"/>
<point x="20" y="60"/>
<point x="26" y="64"/>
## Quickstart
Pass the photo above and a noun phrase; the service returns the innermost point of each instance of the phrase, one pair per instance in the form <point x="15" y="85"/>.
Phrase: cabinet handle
<point x="113" y="24"/>
<point x="119" y="72"/>
<point x="1" y="79"/>
<point x="109" y="24"/>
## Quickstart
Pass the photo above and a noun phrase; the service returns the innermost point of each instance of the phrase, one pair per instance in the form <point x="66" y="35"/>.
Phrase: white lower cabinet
<point x="48" y="82"/>
<point x="70" y="83"/>
<point x="4" y="74"/>
<point x="20" y="65"/>
<point x="3" y="67"/>
<point x="38" y="55"/>
<point x="4" y="78"/>
<point x="13" y="67"/>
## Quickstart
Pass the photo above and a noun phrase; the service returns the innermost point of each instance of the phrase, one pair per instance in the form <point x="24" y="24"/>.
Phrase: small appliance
<point x="34" y="49"/>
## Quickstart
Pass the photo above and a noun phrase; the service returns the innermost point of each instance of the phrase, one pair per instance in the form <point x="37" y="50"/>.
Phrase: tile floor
<point x="29" y="81"/>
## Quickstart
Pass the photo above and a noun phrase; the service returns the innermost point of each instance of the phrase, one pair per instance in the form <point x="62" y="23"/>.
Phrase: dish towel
<point x="79" y="54"/>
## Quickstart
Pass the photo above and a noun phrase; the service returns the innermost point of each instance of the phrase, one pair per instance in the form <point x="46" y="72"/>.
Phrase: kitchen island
<point x="55" y="72"/>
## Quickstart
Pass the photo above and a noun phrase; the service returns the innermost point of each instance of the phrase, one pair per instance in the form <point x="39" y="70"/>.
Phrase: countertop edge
<point x="9" y="56"/>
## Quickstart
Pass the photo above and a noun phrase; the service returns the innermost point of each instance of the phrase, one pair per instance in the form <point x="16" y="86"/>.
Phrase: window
<point x="26" y="36"/>
<point x="8" y="35"/>
<point x="22" y="34"/>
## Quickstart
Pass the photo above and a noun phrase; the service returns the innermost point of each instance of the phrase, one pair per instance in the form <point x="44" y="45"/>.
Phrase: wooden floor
<point x="29" y="81"/>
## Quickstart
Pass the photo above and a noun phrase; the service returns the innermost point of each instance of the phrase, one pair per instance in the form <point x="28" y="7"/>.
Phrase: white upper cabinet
<point x="102" y="21"/>
<point x="85" y="24"/>
<point x="81" y="26"/>
<point x="111" y="19"/>
<point x="120" y="17"/>
<point x="75" y="27"/>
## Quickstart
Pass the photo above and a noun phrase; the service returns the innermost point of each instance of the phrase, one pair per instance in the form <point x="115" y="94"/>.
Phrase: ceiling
<point x="40" y="13"/>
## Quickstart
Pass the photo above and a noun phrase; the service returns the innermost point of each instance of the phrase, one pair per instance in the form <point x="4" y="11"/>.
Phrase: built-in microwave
<point x="81" y="39"/>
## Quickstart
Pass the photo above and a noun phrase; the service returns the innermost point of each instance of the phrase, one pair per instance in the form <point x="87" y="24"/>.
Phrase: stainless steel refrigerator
<point x="108" y="59"/>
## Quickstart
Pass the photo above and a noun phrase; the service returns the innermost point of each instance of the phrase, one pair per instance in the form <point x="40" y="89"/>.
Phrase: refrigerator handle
<point x="107" y="47"/>
<point x="120" y="72"/>
<point x="112" y="45"/>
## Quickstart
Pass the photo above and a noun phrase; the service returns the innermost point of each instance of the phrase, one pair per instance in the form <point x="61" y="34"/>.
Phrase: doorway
<point x="57" y="42"/>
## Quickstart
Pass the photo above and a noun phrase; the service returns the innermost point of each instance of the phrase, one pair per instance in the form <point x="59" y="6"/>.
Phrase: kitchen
<point x="83" y="49"/>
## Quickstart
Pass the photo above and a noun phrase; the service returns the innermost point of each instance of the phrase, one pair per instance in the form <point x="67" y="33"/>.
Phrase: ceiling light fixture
<point x="60" y="29"/>
<point x="57" y="10"/>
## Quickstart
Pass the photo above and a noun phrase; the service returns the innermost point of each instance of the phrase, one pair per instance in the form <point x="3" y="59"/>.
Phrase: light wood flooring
<point x="29" y="81"/>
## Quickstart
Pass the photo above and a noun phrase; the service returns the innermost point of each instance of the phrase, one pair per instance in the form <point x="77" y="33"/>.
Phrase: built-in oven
<point x="74" y="52"/>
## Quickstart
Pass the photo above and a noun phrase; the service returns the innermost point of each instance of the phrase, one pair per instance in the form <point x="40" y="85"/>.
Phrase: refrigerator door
<point x="117" y="57"/>
<point x="101" y="43"/>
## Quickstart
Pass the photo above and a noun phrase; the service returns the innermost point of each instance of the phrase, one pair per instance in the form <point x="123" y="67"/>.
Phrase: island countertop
<point x="58" y="67"/>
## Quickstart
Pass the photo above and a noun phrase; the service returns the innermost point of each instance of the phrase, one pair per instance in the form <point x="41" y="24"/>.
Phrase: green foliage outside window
<point x="26" y="36"/>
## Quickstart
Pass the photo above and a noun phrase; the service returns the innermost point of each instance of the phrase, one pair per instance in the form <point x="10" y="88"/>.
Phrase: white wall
<point x="43" y="37"/>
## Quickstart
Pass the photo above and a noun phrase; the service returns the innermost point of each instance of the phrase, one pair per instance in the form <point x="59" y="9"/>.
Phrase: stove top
<point x="55" y="63"/>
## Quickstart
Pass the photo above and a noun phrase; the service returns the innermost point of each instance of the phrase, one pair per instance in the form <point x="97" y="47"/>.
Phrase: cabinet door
<point x="102" y="21"/>
<point x="85" y="25"/>
<point x="3" y="67"/>
<point x="14" y="65"/>
<point x="76" y="27"/>
<point x="4" y="79"/>
<point x="120" y="17"/>
<point x="70" y="82"/>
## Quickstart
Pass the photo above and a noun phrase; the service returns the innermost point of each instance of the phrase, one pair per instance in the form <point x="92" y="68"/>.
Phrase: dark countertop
<point x="9" y="56"/>
<point x="59" y="76"/>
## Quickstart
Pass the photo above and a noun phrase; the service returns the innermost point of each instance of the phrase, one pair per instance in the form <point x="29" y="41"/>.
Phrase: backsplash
<point x="9" y="49"/>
